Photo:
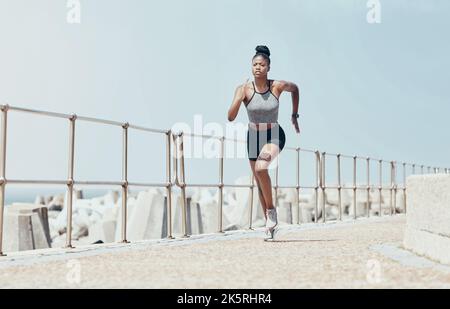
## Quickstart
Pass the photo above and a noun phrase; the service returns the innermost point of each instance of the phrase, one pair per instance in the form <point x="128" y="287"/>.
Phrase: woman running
<point x="265" y="137"/>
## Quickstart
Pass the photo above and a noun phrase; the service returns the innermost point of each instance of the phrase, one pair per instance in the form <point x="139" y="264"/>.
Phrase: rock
<point x="56" y="203"/>
<point x="111" y="198"/>
<point x="361" y="204"/>
<point x="53" y="214"/>
<point x="59" y="241"/>
<point x="237" y="211"/>
<point x="39" y="200"/>
<point x="78" y="194"/>
<point x="284" y="212"/>
<point x="311" y="205"/>
<point x="209" y="211"/>
<point x="55" y="208"/>
<point x="58" y="225"/>
<point x="26" y="227"/>
<point x="194" y="218"/>
<point x="146" y="221"/>
<point x="48" y="199"/>
<point x="105" y="228"/>
<point x="117" y="209"/>
<point x="80" y="223"/>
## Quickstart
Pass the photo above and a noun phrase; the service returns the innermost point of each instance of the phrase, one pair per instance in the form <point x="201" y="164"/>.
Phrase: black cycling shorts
<point x="257" y="139"/>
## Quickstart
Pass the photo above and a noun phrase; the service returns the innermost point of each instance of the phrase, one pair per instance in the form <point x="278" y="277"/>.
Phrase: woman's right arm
<point x="239" y="96"/>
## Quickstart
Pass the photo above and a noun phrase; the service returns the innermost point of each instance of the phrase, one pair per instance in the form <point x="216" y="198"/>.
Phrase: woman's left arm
<point x="295" y="94"/>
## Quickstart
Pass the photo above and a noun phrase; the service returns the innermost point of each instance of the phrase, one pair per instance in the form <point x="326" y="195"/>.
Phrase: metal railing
<point x="177" y="178"/>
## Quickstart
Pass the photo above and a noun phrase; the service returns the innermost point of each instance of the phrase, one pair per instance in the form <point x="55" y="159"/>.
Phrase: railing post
<point x="124" y="181"/>
<point x="169" y="184"/>
<point x="252" y="186"/>
<point x="222" y="139"/>
<point x="354" y="187"/>
<point x="322" y="185"/>
<point x="421" y="169"/>
<point x="183" y="185"/>
<point x="394" y="169"/>
<point x="4" y="109"/>
<point x="176" y="150"/>
<point x="368" y="187"/>
<point x="392" y="188"/>
<point x="276" y="183"/>
<point x="176" y="179"/>
<point x="380" y="188"/>
<point x="70" y="181"/>
<point x="316" y="188"/>
<point x="404" y="187"/>
<point x="339" y="185"/>
<point x="298" y="183"/>
<point x="413" y="169"/>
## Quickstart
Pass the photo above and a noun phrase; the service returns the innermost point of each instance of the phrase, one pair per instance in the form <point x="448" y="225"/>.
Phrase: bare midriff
<point x="261" y="126"/>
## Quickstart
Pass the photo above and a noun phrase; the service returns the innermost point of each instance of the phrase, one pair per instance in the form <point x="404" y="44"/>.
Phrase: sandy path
<point x="309" y="256"/>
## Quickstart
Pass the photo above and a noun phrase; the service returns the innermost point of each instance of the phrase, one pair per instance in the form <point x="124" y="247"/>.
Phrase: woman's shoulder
<point x="275" y="82"/>
<point x="248" y="88"/>
<point x="281" y="84"/>
<point x="245" y="86"/>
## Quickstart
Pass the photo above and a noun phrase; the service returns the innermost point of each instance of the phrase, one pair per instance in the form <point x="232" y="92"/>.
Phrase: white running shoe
<point x="271" y="223"/>
<point x="270" y="234"/>
<point x="272" y="220"/>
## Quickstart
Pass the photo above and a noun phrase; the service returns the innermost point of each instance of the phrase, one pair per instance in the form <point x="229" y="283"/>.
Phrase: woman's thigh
<point x="268" y="153"/>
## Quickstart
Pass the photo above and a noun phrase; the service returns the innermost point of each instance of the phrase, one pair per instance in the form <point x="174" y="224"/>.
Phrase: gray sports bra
<point x="263" y="107"/>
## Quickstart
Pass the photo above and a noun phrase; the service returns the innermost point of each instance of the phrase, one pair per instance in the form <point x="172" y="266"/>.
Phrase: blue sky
<point x="367" y="89"/>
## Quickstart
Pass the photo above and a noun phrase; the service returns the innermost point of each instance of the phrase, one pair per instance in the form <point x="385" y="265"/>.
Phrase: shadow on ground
<point x="300" y="240"/>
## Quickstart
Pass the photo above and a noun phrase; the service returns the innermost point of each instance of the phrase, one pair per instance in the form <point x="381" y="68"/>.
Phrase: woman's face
<point x="260" y="67"/>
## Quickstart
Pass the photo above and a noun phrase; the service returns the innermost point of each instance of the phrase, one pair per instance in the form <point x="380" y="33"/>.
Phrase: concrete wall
<point x="428" y="216"/>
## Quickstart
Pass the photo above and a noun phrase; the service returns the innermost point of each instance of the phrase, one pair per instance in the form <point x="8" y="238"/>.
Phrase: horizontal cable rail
<point x="175" y="175"/>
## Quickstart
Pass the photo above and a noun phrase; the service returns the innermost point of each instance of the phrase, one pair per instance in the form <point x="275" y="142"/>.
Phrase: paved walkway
<point x="366" y="253"/>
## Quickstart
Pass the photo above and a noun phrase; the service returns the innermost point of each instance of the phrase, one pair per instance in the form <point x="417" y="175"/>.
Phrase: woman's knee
<point x="263" y="162"/>
<point x="261" y="169"/>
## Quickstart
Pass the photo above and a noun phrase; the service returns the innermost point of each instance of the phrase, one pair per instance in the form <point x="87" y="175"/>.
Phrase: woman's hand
<point x="295" y="123"/>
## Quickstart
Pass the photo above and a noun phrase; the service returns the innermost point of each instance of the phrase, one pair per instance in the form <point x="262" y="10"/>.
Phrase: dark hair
<point x="263" y="51"/>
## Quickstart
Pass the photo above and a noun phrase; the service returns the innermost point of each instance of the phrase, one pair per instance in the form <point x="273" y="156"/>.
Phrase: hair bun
<point x="261" y="49"/>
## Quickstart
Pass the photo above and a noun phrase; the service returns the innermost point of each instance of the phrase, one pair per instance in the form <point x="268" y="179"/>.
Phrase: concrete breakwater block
<point x="26" y="227"/>
<point x="428" y="216"/>
<point x="104" y="229"/>
<point x="194" y="219"/>
<point x="146" y="219"/>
